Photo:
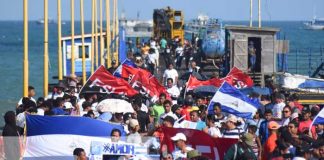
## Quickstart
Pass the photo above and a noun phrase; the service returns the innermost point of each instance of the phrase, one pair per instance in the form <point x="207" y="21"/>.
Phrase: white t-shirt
<point x="152" y="58"/>
<point x="170" y="73"/>
<point x="277" y="110"/>
<point x="174" y="91"/>
<point x="177" y="154"/>
<point x="179" y="51"/>
<point x="213" y="131"/>
<point x="55" y="95"/>
<point x="171" y="114"/>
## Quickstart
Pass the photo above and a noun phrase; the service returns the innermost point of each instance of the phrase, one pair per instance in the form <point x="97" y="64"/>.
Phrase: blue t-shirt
<point x="201" y="125"/>
<point x="58" y="111"/>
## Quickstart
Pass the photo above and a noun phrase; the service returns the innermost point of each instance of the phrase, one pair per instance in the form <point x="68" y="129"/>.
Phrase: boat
<point x="41" y="21"/>
<point x="315" y="24"/>
<point x="136" y="28"/>
<point x="211" y="32"/>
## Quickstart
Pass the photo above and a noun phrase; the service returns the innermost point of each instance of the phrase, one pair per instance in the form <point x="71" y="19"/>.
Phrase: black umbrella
<point x="206" y="90"/>
<point x="199" y="76"/>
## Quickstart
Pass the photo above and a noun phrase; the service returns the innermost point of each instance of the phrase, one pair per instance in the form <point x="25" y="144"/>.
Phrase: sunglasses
<point x="285" y="111"/>
<point x="291" y="127"/>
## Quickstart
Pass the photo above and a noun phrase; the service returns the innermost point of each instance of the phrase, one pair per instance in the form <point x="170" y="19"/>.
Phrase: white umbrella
<point x="115" y="106"/>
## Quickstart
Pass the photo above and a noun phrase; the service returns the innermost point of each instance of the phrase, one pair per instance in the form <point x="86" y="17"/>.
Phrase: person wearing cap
<point x="241" y="150"/>
<point x="256" y="147"/>
<point x="231" y="130"/>
<point x="182" y="149"/>
<point x="113" y="67"/>
<point x="306" y="122"/>
<point x="270" y="144"/>
<point x="278" y="106"/>
<point x="134" y="136"/>
<point x="57" y="91"/>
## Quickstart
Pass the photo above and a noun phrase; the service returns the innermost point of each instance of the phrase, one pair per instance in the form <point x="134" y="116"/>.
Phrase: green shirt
<point x="163" y="43"/>
<point x="157" y="111"/>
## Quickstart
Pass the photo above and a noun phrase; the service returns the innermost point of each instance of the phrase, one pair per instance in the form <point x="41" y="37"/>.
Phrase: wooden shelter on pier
<point x="267" y="47"/>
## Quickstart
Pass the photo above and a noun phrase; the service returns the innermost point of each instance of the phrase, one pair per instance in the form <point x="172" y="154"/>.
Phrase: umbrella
<point x="205" y="90"/>
<point x="115" y="106"/>
<point x="199" y="76"/>
<point x="256" y="89"/>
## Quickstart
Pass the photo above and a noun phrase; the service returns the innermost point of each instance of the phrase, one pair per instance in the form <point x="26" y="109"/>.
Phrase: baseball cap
<point x="68" y="105"/>
<point x="306" y="109"/>
<point x="273" y="125"/>
<point x="179" y="136"/>
<point x="231" y="118"/>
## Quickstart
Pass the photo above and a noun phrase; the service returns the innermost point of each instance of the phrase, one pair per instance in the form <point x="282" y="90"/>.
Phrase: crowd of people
<point x="280" y="129"/>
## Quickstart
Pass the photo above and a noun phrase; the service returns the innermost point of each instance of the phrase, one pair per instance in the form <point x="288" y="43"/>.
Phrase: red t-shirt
<point x="305" y="125"/>
<point x="299" y="106"/>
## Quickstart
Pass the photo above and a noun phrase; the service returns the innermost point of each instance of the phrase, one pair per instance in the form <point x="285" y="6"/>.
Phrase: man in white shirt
<point x="278" y="107"/>
<point x="170" y="73"/>
<point x="31" y="94"/>
<point x="179" y="55"/>
<point x="182" y="149"/>
<point x="173" y="90"/>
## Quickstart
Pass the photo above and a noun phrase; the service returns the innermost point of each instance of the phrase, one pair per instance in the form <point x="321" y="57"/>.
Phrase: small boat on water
<point x="315" y="24"/>
<point x="41" y="21"/>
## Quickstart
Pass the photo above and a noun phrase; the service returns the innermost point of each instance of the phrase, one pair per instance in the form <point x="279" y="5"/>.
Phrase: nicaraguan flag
<point x="233" y="102"/>
<point x="319" y="119"/>
<point x="56" y="137"/>
<point x="119" y="70"/>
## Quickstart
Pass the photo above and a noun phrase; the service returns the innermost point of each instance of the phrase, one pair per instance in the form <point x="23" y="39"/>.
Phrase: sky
<point x="225" y="9"/>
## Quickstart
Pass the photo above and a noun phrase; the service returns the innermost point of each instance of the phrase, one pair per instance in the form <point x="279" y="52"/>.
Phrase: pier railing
<point x="304" y="61"/>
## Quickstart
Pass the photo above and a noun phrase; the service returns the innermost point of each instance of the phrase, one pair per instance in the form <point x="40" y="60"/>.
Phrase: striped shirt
<point x="233" y="133"/>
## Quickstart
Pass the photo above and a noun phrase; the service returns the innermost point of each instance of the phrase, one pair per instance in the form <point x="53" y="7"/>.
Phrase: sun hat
<point x="133" y="123"/>
<point x="179" y="136"/>
<point x="248" y="139"/>
<point x="273" y="125"/>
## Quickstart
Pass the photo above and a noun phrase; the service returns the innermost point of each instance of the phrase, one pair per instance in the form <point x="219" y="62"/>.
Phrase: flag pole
<point x="25" y="70"/>
<point x="96" y="33"/>
<point x="59" y="48"/>
<point x="92" y="36"/>
<point x="84" y="77"/>
<point x="45" y="86"/>
<point x="72" y="38"/>
<point x="102" y="62"/>
<point x="108" y="33"/>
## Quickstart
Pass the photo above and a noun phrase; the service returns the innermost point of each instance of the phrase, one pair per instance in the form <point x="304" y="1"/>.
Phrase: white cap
<point x="133" y="123"/>
<point x="231" y="118"/>
<point x="179" y="136"/>
<point x="68" y="105"/>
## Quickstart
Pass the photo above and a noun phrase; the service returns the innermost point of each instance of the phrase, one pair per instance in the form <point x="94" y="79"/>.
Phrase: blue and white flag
<point x="119" y="70"/>
<point x="319" y="119"/>
<point x="57" y="137"/>
<point x="234" y="102"/>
